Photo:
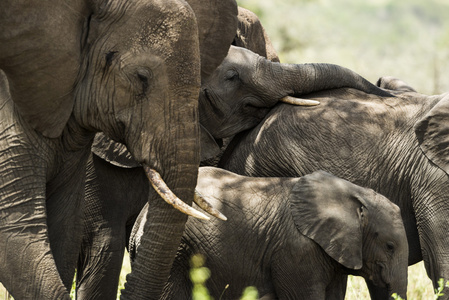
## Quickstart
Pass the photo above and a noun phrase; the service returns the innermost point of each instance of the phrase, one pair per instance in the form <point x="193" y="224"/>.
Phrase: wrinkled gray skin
<point x="291" y="238"/>
<point x="75" y="68"/>
<point x="112" y="207"/>
<point x="396" y="146"/>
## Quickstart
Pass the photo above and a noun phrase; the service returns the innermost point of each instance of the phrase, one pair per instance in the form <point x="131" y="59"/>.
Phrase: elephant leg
<point x="65" y="203"/>
<point x="114" y="196"/>
<point x="101" y="254"/>
<point x="161" y="237"/>
<point x="337" y="288"/>
<point x="99" y="265"/>
<point x="28" y="269"/>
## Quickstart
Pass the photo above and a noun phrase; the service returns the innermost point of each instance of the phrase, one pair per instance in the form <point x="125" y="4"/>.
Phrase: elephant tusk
<point x="299" y="101"/>
<point x="207" y="207"/>
<point x="164" y="191"/>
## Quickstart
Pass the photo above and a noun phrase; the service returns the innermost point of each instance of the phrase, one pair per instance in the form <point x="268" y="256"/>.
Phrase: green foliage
<point x="250" y="293"/>
<point x="73" y="290"/>
<point x="441" y="286"/>
<point x="200" y="274"/>
<point x="126" y="268"/>
<point x="396" y="296"/>
<point x="438" y="291"/>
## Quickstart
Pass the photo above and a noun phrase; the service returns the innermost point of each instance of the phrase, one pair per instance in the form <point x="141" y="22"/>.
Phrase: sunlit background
<point x="408" y="39"/>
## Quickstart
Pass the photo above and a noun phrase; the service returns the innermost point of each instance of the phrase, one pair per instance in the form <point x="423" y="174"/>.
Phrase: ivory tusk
<point x="207" y="207"/>
<point x="299" y="101"/>
<point x="164" y="191"/>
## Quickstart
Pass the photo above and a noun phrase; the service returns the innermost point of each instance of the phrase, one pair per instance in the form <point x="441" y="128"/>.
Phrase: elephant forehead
<point x="162" y="36"/>
<point x="149" y="23"/>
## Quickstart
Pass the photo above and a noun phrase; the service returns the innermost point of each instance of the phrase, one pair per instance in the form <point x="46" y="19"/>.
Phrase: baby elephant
<point x="292" y="238"/>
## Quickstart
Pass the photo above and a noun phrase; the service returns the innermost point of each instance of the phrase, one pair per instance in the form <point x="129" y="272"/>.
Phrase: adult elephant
<point x="396" y="146"/>
<point x="116" y="188"/>
<point x="291" y="238"/>
<point x="217" y="23"/>
<point x="129" y="69"/>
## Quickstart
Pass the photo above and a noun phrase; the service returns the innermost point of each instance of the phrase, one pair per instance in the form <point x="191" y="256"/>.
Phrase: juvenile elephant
<point x="292" y="238"/>
<point x="130" y="69"/>
<point x="396" y="146"/>
<point x="249" y="84"/>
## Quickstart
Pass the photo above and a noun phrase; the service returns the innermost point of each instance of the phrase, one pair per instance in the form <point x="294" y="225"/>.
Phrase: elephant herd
<point x="306" y="172"/>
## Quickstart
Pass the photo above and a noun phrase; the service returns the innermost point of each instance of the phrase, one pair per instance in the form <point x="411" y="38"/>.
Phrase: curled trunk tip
<point x="164" y="191"/>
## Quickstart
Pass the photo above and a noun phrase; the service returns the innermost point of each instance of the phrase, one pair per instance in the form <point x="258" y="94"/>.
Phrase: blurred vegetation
<point x="199" y="274"/>
<point x="408" y="39"/>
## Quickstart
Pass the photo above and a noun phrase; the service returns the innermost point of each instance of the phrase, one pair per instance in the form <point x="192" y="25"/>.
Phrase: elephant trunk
<point x="393" y="275"/>
<point x="398" y="284"/>
<point x="301" y="79"/>
<point x="172" y="149"/>
<point x="162" y="232"/>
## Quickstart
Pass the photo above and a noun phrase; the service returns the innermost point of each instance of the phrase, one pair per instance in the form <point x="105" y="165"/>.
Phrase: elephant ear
<point x="327" y="210"/>
<point x="251" y="35"/>
<point x="432" y="132"/>
<point x="395" y="84"/>
<point x="217" y="26"/>
<point x="113" y="152"/>
<point x="41" y="58"/>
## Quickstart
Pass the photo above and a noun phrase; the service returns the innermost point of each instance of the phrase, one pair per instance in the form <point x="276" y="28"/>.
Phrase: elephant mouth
<point x="380" y="277"/>
<point x="211" y="98"/>
<point x="164" y="191"/>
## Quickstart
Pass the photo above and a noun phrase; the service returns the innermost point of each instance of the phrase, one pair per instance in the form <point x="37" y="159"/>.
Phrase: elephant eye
<point x="144" y="76"/>
<point x="231" y="75"/>
<point x="390" y="246"/>
<point x="109" y="56"/>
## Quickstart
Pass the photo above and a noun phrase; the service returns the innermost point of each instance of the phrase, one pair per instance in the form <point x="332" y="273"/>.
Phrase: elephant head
<point x="357" y="227"/>
<point x="110" y="67"/>
<point x="245" y="86"/>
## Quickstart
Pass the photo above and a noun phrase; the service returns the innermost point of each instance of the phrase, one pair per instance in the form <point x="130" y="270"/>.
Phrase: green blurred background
<point x="408" y="39"/>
